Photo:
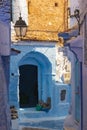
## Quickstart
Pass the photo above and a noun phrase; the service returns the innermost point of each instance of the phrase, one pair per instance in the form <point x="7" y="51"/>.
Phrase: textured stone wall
<point x="46" y="18"/>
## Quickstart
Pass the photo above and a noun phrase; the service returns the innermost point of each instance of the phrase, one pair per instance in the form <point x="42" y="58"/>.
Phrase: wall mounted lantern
<point x="20" y="28"/>
<point x="77" y="16"/>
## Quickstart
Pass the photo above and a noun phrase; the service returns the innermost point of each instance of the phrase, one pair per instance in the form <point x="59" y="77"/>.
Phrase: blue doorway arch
<point x="44" y="73"/>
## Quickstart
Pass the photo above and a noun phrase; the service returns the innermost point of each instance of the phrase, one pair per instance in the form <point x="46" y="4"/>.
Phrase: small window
<point x="63" y="95"/>
<point x="56" y="4"/>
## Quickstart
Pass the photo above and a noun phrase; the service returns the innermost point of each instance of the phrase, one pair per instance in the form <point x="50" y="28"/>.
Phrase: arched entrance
<point x="38" y="70"/>
<point x="28" y="85"/>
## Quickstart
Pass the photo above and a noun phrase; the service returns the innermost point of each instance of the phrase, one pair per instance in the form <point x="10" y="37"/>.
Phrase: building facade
<point x="83" y="11"/>
<point x="44" y="18"/>
<point x="5" y="120"/>
<point x="78" y="45"/>
<point x="39" y="51"/>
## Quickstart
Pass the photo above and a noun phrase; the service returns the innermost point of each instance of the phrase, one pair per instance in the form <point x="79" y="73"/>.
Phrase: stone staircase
<point x="30" y="119"/>
<point x="32" y="113"/>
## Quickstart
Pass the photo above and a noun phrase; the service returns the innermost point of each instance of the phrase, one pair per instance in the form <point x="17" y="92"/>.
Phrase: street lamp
<point x="20" y="28"/>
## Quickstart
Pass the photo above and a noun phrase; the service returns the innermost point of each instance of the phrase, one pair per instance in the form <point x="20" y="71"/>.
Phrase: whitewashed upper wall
<point x="83" y="9"/>
<point x="19" y="6"/>
<point x="83" y="12"/>
<point x="73" y="4"/>
<point x="83" y="5"/>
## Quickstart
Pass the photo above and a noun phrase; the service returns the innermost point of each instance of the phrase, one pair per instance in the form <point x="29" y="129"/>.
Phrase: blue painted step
<point x="31" y="118"/>
<point x="31" y="113"/>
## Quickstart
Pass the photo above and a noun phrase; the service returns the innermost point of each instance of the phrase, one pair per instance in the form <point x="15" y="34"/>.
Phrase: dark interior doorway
<point x="28" y="86"/>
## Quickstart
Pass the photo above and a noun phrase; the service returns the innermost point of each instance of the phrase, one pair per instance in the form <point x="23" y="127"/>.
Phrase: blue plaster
<point x="42" y="55"/>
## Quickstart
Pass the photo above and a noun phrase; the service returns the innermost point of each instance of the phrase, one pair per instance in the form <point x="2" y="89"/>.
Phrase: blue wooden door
<point x="28" y="86"/>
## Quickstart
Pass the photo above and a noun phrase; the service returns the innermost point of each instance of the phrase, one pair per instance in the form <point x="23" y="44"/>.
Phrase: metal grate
<point x="63" y="95"/>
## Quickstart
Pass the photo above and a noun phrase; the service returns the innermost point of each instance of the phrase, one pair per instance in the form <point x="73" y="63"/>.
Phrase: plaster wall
<point x="84" y="98"/>
<point x="73" y="5"/>
<point x="5" y="11"/>
<point x="83" y="11"/>
<point x="5" y="120"/>
<point x="83" y="4"/>
<point x="70" y="119"/>
<point x="19" y="7"/>
<point x="73" y="83"/>
<point x="77" y="102"/>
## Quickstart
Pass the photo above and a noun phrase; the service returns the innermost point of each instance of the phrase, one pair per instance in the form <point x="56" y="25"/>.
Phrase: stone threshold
<point x="34" y="128"/>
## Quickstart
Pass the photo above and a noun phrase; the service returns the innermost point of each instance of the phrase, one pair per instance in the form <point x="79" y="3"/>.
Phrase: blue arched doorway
<point x="34" y="79"/>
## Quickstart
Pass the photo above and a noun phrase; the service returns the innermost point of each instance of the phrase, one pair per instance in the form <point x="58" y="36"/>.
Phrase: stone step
<point x="32" y="113"/>
<point x="30" y="119"/>
<point x="25" y="128"/>
<point x="45" y="123"/>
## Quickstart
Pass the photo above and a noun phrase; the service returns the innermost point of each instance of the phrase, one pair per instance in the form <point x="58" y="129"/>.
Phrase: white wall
<point x="73" y="4"/>
<point x="18" y="7"/>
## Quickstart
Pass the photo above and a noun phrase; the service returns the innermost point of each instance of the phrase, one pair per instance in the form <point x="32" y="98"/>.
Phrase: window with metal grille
<point x="63" y="95"/>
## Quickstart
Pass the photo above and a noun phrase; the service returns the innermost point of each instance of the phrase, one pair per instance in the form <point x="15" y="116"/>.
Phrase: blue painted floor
<point x="38" y="119"/>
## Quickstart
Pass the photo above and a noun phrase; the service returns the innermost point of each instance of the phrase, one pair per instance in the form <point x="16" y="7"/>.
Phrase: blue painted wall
<point x="43" y="55"/>
<point x="76" y="84"/>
